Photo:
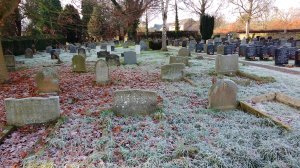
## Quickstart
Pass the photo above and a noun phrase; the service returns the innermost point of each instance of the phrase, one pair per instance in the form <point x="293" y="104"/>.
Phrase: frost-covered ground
<point x="188" y="135"/>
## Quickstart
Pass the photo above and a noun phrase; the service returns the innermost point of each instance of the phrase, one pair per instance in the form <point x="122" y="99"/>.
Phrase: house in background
<point x="185" y="25"/>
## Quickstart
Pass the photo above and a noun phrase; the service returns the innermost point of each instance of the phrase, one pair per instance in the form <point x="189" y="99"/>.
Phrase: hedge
<point x="18" y="45"/>
<point x="170" y="34"/>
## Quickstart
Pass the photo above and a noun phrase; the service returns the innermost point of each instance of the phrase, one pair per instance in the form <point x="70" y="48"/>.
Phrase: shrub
<point x="155" y="44"/>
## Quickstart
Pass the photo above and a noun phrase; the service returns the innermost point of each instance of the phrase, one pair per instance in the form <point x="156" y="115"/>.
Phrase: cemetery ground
<point x="182" y="133"/>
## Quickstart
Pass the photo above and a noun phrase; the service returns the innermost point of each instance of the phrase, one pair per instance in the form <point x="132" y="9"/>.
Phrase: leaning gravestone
<point x="34" y="110"/>
<point x="102" y="54"/>
<point x="81" y="51"/>
<point x="48" y="49"/>
<point x="183" y="60"/>
<point x="102" y="73"/>
<point x="223" y="95"/>
<point x="10" y="62"/>
<point x="227" y="64"/>
<point x="134" y="102"/>
<point x="78" y="63"/>
<point x="113" y="60"/>
<point x="130" y="57"/>
<point x="281" y="56"/>
<point x="47" y="81"/>
<point x="184" y="52"/>
<point x="172" y="72"/>
<point x="28" y="53"/>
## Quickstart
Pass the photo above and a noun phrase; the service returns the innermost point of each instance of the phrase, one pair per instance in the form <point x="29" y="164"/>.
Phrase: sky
<point x="184" y="13"/>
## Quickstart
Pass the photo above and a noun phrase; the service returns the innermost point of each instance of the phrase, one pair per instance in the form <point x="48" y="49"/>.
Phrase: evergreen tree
<point x="49" y="11"/>
<point x="70" y="23"/>
<point x="86" y="10"/>
<point x="177" y="28"/>
<point x="207" y="24"/>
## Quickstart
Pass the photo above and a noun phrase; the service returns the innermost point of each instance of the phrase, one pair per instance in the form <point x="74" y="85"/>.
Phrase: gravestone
<point x="103" y="46"/>
<point x="223" y="95"/>
<point x="281" y="56"/>
<point x="10" y="62"/>
<point x="144" y="46"/>
<point x="192" y="45"/>
<point x="199" y="47"/>
<point x="227" y="64"/>
<point x="184" y="43"/>
<point x="78" y="63"/>
<point x="244" y="41"/>
<point x="228" y="49"/>
<point x="220" y="50"/>
<point x="134" y="102"/>
<point x="92" y="45"/>
<point x="172" y="72"/>
<point x="54" y="54"/>
<point x="242" y="50"/>
<point x="130" y="57"/>
<point x="271" y="50"/>
<point x="297" y="59"/>
<point x="264" y="53"/>
<point x="250" y="52"/>
<point x="72" y="48"/>
<point x="184" y="52"/>
<point x="113" y="60"/>
<point x="81" y="51"/>
<point x="48" y="49"/>
<point x="102" y="54"/>
<point x="137" y="49"/>
<point x="47" y="81"/>
<point x="28" y="53"/>
<point x="33" y="110"/>
<point x="176" y="43"/>
<point x="184" y="60"/>
<point x="298" y="44"/>
<point x="210" y="49"/>
<point x="102" y="73"/>
<point x="292" y="52"/>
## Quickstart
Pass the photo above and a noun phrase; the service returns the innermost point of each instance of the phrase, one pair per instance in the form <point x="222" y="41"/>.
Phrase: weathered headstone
<point x="81" y="51"/>
<point x="227" y="64"/>
<point x="192" y="45"/>
<point x="184" y="52"/>
<point x="281" y="56"/>
<point x="78" y="63"/>
<point x="126" y="44"/>
<point x="47" y="81"/>
<point x="102" y="73"/>
<point x="28" y="53"/>
<point x="137" y="49"/>
<point x="184" y="60"/>
<point x="10" y="62"/>
<point x="130" y="57"/>
<point x="113" y="60"/>
<point x="144" y="46"/>
<point x="172" y="72"/>
<point x="223" y="95"/>
<point x="34" y="110"/>
<point x="102" y="54"/>
<point x="134" y="102"/>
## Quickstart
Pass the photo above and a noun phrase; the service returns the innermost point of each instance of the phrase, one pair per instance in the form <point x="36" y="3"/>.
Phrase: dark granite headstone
<point x="271" y="50"/>
<point x="102" y="54"/>
<point x="72" y="48"/>
<point x="113" y="60"/>
<point x="199" y="47"/>
<point x="210" y="49"/>
<point x="292" y="52"/>
<point x="297" y="59"/>
<point x="184" y="44"/>
<point x="250" y="52"/>
<point x="281" y="56"/>
<point x="242" y="50"/>
<point x="228" y="49"/>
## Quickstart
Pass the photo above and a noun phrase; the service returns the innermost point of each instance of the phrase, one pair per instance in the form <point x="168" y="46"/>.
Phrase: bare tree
<point x="287" y="17"/>
<point x="250" y="9"/>
<point x="6" y="8"/>
<point x="200" y="7"/>
<point x="164" y="10"/>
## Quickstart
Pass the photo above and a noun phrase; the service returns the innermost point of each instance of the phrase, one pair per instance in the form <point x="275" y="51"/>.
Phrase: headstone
<point x="298" y="44"/>
<point x="264" y="53"/>
<point x="192" y="45"/>
<point x="78" y="63"/>
<point x="184" y="60"/>
<point x="138" y="49"/>
<point x="28" y="53"/>
<point x="54" y="54"/>
<point x="126" y="44"/>
<point x="184" y="43"/>
<point x="33" y="110"/>
<point x="176" y="43"/>
<point x="72" y="48"/>
<point x="220" y="50"/>
<point x="10" y="62"/>
<point x="102" y="73"/>
<point x="144" y="46"/>
<point x="199" y="47"/>
<point x="113" y="60"/>
<point x="103" y="46"/>
<point x="130" y="57"/>
<point x="271" y="50"/>
<point x="134" y="102"/>
<point x="92" y="45"/>
<point x="228" y="49"/>
<point x="102" y="54"/>
<point x="227" y="64"/>
<point x="281" y="56"/>
<point x="297" y="59"/>
<point x="242" y="50"/>
<point x="223" y="95"/>
<point x="81" y="51"/>
<point x="292" y="52"/>
<point x="210" y="49"/>
<point x="48" y="49"/>
<point x="184" y="52"/>
<point x="47" y="81"/>
<point x="250" y="52"/>
<point x="244" y="41"/>
<point x="172" y="72"/>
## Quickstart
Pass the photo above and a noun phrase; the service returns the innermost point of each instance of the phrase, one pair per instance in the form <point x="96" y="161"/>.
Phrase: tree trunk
<point x="164" y="9"/>
<point x="3" y="69"/>
<point x="248" y="28"/>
